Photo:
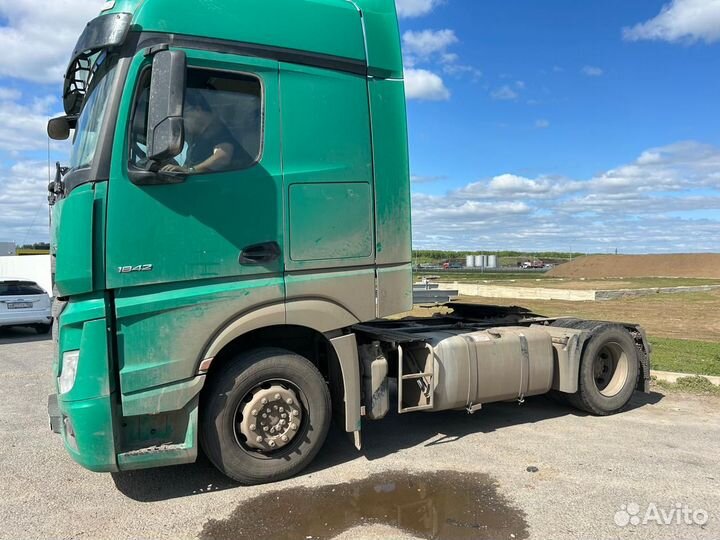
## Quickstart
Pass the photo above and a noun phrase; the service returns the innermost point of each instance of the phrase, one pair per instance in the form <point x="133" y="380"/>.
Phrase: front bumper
<point x="87" y="431"/>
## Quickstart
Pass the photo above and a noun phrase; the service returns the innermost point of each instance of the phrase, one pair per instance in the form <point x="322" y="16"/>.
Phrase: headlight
<point x="66" y="381"/>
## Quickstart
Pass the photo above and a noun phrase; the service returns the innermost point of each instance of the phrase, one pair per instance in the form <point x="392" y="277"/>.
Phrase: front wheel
<point x="265" y="416"/>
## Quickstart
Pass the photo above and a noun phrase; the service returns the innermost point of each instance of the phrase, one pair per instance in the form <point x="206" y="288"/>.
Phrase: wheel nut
<point x="281" y="409"/>
<point x="284" y="438"/>
<point x="258" y="439"/>
<point x="252" y="427"/>
<point x="271" y="443"/>
<point x="283" y="415"/>
<point x="293" y="426"/>
<point x="265" y="428"/>
<point x="296" y="413"/>
<point x="254" y="412"/>
<point x="277" y="396"/>
<point x="264" y="415"/>
<point x="263" y="401"/>
<point x="289" y="401"/>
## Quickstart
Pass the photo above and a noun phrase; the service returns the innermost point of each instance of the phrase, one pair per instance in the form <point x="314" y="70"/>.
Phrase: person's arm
<point x="221" y="157"/>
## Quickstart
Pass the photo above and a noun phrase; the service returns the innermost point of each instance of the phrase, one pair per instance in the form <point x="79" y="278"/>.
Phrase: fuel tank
<point x="457" y="369"/>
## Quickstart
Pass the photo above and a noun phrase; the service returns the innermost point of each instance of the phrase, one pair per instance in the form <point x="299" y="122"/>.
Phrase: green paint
<point x="340" y="213"/>
<point x="392" y="171"/>
<point x="74" y="222"/>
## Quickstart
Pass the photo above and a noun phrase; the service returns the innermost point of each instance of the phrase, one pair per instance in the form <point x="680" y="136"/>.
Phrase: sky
<point x="558" y="125"/>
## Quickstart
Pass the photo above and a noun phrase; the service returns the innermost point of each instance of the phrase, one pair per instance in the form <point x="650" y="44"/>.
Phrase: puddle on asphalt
<point x="437" y="505"/>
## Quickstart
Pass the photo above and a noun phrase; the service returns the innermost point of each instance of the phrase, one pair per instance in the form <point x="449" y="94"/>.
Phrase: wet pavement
<point x="439" y="505"/>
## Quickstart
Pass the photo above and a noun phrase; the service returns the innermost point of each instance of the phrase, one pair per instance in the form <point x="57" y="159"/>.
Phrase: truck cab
<point x="235" y="209"/>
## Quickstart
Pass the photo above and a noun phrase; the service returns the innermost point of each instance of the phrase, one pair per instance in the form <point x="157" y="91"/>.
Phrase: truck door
<point x="184" y="258"/>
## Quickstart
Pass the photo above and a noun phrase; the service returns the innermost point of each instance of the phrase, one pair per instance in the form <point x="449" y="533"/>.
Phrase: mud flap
<point x="347" y="354"/>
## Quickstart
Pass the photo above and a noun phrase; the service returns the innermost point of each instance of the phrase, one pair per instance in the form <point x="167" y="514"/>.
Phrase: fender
<point x="320" y="315"/>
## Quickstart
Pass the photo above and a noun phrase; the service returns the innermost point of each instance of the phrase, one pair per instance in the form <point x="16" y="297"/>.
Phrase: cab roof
<point x="325" y="27"/>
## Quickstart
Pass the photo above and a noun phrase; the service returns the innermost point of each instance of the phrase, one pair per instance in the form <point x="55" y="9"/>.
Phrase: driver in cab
<point x="210" y="145"/>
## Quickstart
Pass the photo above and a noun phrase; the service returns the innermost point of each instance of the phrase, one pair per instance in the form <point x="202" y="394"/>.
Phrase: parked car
<point x="24" y="303"/>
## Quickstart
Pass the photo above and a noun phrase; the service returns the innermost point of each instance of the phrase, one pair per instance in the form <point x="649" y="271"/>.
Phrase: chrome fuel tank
<point x="457" y="369"/>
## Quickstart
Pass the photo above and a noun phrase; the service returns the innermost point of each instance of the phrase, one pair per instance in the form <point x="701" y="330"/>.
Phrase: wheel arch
<point x="333" y="351"/>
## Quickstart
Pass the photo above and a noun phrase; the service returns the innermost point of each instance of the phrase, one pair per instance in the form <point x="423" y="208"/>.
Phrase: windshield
<point x="93" y="113"/>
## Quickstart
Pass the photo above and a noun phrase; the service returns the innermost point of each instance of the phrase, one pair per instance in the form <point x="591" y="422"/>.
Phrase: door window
<point x="223" y="123"/>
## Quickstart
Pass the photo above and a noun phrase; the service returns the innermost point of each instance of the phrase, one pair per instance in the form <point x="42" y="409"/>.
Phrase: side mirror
<point x="166" y="132"/>
<point x="58" y="129"/>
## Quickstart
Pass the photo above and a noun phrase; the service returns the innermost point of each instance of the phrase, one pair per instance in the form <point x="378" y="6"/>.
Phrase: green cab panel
<point x="163" y="330"/>
<point x="326" y="140"/>
<point x="73" y="220"/>
<point x="329" y="27"/>
<point x="384" y="55"/>
<point x="392" y="171"/>
<point x="330" y="221"/>
<point x="205" y="222"/>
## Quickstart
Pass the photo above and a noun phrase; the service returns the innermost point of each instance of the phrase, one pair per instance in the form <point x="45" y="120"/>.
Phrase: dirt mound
<point x="693" y="265"/>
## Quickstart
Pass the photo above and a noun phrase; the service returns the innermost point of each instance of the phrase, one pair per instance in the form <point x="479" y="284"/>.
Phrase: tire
<point x="608" y="371"/>
<point x="43" y="328"/>
<point x="237" y="388"/>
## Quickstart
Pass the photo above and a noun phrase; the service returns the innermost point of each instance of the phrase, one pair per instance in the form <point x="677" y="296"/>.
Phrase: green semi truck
<point x="232" y="233"/>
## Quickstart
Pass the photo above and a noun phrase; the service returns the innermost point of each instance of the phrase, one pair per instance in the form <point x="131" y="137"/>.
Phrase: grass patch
<point x="685" y="356"/>
<point x="690" y="385"/>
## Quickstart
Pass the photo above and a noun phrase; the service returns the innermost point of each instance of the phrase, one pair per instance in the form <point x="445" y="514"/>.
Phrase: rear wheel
<point x="608" y="371"/>
<point x="265" y="416"/>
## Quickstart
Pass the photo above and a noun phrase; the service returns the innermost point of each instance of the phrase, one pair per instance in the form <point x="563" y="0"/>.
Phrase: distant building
<point x="7" y="249"/>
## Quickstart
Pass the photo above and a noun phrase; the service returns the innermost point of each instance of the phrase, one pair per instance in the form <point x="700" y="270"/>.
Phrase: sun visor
<point x="102" y="33"/>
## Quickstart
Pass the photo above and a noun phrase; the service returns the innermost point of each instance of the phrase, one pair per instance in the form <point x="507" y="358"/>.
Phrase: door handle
<point x="260" y="253"/>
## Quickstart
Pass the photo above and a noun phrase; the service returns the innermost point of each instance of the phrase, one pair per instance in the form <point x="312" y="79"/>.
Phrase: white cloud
<point x="10" y="94"/>
<point x="668" y="199"/>
<point x="592" y="71"/>
<point x="690" y="20"/>
<point x="23" y="200"/>
<point x="429" y="49"/>
<point x="542" y="123"/>
<point x="24" y="126"/>
<point x="416" y="8"/>
<point x="37" y="36"/>
<point x="424" y="43"/>
<point x="422" y="84"/>
<point x="504" y="93"/>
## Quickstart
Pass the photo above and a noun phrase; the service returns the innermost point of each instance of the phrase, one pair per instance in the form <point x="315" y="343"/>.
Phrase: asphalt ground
<point x="539" y="470"/>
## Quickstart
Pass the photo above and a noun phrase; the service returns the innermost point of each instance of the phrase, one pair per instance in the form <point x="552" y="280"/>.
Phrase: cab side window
<point x="223" y="123"/>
